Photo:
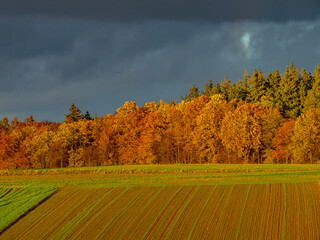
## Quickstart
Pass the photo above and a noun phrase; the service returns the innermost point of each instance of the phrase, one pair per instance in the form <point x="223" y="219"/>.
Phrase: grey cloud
<point x="186" y="10"/>
<point x="49" y="63"/>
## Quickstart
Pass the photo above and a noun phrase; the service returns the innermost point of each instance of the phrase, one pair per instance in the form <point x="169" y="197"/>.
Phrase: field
<point x="162" y="202"/>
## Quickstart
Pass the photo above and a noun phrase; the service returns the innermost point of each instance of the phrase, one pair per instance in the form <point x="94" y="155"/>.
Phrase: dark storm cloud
<point x="183" y="10"/>
<point x="100" y="54"/>
<point x="49" y="63"/>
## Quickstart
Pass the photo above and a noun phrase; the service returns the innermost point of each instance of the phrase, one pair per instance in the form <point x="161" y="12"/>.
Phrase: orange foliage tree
<point x="283" y="142"/>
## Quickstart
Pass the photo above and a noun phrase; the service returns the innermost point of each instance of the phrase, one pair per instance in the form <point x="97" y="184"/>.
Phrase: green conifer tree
<point x="87" y="116"/>
<point x="217" y="89"/>
<point x="208" y="89"/>
<point x="225" y="88"/>
<point x="312" y="99"/>
<point x="74" y="114"/>
<point x="193" y="93"/>
<point x="4" y="124"/>
<point x="289" y="91"/>
<point x="306" y="83"/>
<point x="273" y="96"/>
<point x="257" y="86"/>
<point x="245" y="87"/>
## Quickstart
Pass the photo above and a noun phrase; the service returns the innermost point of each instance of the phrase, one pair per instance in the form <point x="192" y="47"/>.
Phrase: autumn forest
<point x="272" y="118"/>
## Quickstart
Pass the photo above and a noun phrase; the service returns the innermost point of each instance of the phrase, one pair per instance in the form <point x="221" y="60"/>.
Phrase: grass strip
<point x="53" y="218"/>
<point x="169" y="213"/>
<point x="120" y="222"/>
<point x="268" y="213"/>
<point x="253" y="218"/>
<point x="175" y="218"/>
<point x="231" y="214"/>
<point x="93" y="212"/>
<point x="95" y="218"/>
<point x="162" y="212"/>
<point x="210" y="215"/>
<point x="79" y="216"/>
<point x="140" y="225"/>
<point x="284" y="209"/>
<point x="72" y="213"/>
<point x="103" y="218"/>
<point x="32" y="219"/>
<point x="242" y="211"/>
<point x="18" y="202"/>
<point x="201" y="212"/>
<point x="191" y="210"/>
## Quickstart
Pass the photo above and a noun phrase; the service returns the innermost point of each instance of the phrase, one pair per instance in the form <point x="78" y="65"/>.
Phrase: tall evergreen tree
<point x="30" y="120"/>
<point x="208" y="89"/>
<point x="289" y="91"/>
<point x="273" y="96"/>
<point x="257" y="85"/>
<point x="193" y="93"/>
<point x="245" y="86"/>
<point x="87" y="116"/>
<point x="217" y="89"/>
<point x="74" y="114"/>
<point x="313" y="96"/>
<point x="225" y="88"/>
<point x="4" y="124"/>
<point x="306" y="83"/>
<point x="238" y="91"/>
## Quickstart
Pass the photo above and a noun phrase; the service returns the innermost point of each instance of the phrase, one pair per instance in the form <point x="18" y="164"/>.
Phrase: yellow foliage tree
<point x="307" y="137"/>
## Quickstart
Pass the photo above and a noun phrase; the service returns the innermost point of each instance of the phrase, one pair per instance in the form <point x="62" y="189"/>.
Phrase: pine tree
<point x="245" y="86"/>
<point x="74" y="114"/>
<point x="208" y="89"/>
<point x="193" y="93"/>
<point x="238" y="91"/>
<point x="217" y="89"/>
<point x="273" y="97"/>
<point x="87" y="116"/>
<point x="30" y="120"/>
<point x="289" y="91"/>
<point x="4" y="124"/>
<point x="257" y="85"/>
<point x="313" y="96"/>
<point x="305" y="85"/>
<point x="225" y="88"/>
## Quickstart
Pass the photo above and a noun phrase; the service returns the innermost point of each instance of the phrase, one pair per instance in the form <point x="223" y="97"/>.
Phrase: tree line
<point x="273" y="119"/>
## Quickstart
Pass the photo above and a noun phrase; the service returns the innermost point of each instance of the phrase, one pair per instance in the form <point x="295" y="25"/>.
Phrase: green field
<point x="161" y="175"/>
<point x="162" y="202"/>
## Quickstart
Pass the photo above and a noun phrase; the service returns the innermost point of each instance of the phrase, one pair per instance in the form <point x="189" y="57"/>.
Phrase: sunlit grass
<point x="159" y="175"/>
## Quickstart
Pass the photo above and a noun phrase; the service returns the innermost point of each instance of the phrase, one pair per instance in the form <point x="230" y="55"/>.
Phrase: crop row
<point x="15" y="202"/>
<point x="260" y="211"/>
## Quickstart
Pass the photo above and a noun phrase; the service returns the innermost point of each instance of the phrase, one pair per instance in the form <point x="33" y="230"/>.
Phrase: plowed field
<point x="244" y="211"/>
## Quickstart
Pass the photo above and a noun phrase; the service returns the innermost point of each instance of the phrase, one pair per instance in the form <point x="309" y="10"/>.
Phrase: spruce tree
<point x="273" y="90"/>
<point x="4" y="124"/>
<point x="306" y="83"/>
<point x="193" y="93"/>
<point x="217" y="89"/>
<point x="74" y="114"/>
<point x="225" y="88"/>
<point x="245" y="87"/>
<point x="257" y="85"/>
<point x="87" y="116"/>
<point x="289" y="91"/>
<point x="30" y="120"/>
<point x="313" y="96"/>
<point x="234" y="92"/>
<point x="238" y="91"/>
<point x="208" y="89"/>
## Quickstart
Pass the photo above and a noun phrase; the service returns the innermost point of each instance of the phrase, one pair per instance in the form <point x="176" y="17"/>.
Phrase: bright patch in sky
<point x="245" y="40"/>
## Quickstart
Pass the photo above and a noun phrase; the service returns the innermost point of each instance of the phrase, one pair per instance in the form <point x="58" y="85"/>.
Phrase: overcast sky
<point x="101" y="53"/>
